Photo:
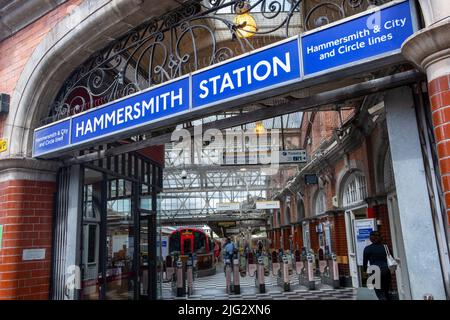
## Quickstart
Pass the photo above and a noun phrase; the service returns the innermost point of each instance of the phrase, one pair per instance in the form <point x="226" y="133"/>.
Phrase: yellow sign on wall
<point x="3" y="145"/>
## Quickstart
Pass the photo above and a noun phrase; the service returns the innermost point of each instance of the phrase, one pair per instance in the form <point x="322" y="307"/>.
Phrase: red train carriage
<point x="186" y="241"/>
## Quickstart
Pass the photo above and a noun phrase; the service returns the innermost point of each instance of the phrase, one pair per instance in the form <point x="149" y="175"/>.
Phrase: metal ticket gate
<point x="260" y="279"/>
<point x="179" y="280"/>
<point x="257" y="270"/>
<point x="304" y="267"/>
<point x="235" y="267"/>
<point x="329" y="271"/>
<point x="236" y="276"/>
<point x="228" y="275"/>
<point x="190" y="276"/>
<point x="280" y="270"/>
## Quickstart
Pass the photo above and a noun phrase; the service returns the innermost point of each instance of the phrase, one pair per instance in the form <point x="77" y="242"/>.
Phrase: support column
<point x="429" y="50"/>
<point x="26" y="208"/>
<point x="66" y="272"/>
<point x="420" y="244"/>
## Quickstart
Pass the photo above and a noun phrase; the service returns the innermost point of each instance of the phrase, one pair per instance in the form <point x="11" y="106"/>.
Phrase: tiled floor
<point x="214" y="288"/>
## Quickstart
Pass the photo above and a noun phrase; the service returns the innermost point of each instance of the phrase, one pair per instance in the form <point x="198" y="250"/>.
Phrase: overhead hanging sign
<point x="293" y="156"/>
<point x="228" y="206"/>
<point x="232" y="230"/>
<point x="359" y="40"/>
<point x="267" y="205"/>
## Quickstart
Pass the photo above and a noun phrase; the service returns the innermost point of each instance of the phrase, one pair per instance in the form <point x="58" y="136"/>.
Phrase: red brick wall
<point x="313" y="235"/>
<point x="26" y="209"/>
<point x="286" y="234"/>
<point x="439" y="90"/>
<point x="339" y="239"/>
<point x="298" y="237"/>
<point x="17" y="49"/>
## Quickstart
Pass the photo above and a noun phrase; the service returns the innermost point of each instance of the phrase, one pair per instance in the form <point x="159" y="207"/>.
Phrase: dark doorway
<point x="118" y="234"/>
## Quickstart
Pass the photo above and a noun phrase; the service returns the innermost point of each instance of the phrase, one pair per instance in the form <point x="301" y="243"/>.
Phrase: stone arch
<point x="63" y="49"/>
<point x="359" y="177"/>
<point x="319" y="202"/>
<point x="300" y="208"/>
<point x="344" y="174"/>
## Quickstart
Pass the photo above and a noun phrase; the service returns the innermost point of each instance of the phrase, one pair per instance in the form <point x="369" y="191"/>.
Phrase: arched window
<point x="320" y="202"/>
<point x="355" y="190"/>
<point x="287" y="216"/>
<point x="388" y="173"/>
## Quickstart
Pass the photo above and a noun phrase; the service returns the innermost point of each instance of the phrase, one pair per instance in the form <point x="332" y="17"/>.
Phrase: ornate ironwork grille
<point x="198" y="34"/>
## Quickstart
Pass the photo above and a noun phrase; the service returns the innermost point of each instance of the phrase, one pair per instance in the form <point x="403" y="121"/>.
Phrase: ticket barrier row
<point x="180" y="275"/>
<point x="304" y="265"/>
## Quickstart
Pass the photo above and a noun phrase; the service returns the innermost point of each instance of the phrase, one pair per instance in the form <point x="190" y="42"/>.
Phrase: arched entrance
<point x="353" y="195"/>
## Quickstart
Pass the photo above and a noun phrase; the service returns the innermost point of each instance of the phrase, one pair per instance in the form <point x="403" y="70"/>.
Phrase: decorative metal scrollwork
<point x="329" y="11"/>
<point x="195" y="35"/>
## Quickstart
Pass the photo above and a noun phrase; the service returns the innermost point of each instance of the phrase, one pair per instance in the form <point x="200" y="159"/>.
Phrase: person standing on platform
<point x="375" y="254"/>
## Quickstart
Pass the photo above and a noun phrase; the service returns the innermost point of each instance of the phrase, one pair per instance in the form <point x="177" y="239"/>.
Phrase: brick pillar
<point x="439" y="91"/>
<point x="429" y="50"/>
<point x="26" y="209"/>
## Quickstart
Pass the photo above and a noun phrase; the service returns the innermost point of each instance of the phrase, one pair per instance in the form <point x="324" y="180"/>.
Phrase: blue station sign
<point x="131" y="112"/>
<point x="269" y="68"/>
<point x="369" y="36"/>
<point x="375" y="34"/>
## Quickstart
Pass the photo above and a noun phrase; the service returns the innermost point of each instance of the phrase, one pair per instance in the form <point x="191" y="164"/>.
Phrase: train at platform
<point x="185" y="242"/>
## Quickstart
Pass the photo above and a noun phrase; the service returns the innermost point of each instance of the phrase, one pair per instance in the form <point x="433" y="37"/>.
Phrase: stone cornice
<point x="16" y="15"/>
<point x="428" y="45"/>
<point x="30" y="164"/>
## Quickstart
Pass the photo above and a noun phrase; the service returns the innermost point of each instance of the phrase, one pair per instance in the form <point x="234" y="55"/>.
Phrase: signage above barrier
<point x="228" y="206"/>
<point x="263" y="205"/>
<point x="359" y="40"/>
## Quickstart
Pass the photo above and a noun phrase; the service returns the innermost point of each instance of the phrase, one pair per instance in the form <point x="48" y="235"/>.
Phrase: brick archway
<point x="60" y="51"/>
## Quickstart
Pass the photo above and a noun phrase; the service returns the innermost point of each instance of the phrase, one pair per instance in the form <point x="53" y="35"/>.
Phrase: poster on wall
<point x="327" y="232"/>
<point x="363" y="228"/>
<point x="164" y="246"/>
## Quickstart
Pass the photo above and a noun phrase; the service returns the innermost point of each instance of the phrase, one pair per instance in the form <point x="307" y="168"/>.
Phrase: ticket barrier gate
<point x="260" y="279"/>
<point x="179" y="280"/>
<point x="304" y="267"/>
<point x="257" y="270"/>
<point x="236" y="277"/>
<point x="228" y="275"/>
<point x="329" y="271"/>
<point x="168" y="269"/>
<point x="281" y="271"/>
<point x="190" y="276"/>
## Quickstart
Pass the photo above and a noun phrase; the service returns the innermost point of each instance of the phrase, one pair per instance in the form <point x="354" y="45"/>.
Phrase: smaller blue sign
<point x="144" y="108"/>
<point x="51" y="138"/>
<point x="380" y="32"/>
<point x="261" y="70"/>
<point x="363" y="234"/>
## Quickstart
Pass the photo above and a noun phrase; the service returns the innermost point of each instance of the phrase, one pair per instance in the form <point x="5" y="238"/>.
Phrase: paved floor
<point x="214" y="288"/>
